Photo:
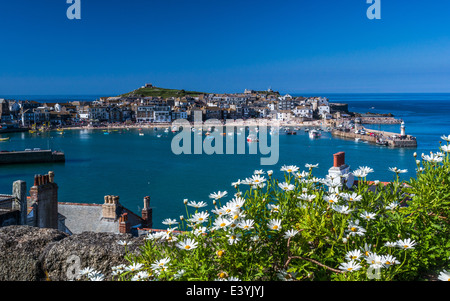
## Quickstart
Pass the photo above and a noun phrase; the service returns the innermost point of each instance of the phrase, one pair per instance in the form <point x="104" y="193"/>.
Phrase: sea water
<point x="131" y="166"/>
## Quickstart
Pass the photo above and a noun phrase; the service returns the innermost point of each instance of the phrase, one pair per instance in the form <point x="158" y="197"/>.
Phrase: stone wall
<point x="37" y="254"/>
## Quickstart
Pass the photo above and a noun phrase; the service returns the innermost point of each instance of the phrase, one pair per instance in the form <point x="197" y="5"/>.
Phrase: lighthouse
<point x="402" y="129"/>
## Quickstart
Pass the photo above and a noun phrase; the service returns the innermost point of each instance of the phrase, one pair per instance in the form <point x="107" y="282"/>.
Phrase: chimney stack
<point x="340" y="172"/>
<point x="147" y="221"/>
<point x="44" y="194"/>
<point x="124" y="224"/>
<point x="339" y="159"/>
<point x="109" y="207"/>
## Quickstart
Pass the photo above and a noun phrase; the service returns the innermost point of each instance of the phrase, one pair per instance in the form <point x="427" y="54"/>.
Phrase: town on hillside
<point x="162" y="108"/>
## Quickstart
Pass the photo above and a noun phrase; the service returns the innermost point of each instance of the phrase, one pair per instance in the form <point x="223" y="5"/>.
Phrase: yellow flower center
<point x="200" y="218"/>
<point x="222" y="224"/>
<point x="222" y="275"/>
<point x="349" y="269"/>
<point x="405" y="246"/>
<point x="388" y="262"/>
<point x="187" y="247"/>
<point x="289" y="170"/>
<point x="220" y="253"/>
<point x="275" y="227"/>
<point x="353" y="229"/>
<point x="246" y="227"/>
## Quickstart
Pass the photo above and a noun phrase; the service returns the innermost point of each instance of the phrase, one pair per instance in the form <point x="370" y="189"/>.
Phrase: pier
<point x="31" y="156"/>
<point x="377" y="137"/>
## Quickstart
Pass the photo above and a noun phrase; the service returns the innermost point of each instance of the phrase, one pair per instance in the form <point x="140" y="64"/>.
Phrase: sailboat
<point x="4" y="139"/>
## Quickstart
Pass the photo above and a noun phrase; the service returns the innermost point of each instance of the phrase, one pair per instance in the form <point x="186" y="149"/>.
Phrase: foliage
<point x="300" y="227"/>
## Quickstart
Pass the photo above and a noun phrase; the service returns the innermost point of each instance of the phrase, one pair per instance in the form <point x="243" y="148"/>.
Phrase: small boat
<point x="4" y="139"/>
<point x="252" y="138"/>
<point x="141" y="134"/>
<point x="314" y="134"/>
<point x="159" y="135"/>
<point x="106" y="133"/>
<point x="60" y="130"/>
<point x="382" y="142"/>
<point x="32" y="131"/>
<point x="166" y="130"/>
<point x="357" y="139"/>
<point x="306" y="130"/>
<point x="291" y="133"/>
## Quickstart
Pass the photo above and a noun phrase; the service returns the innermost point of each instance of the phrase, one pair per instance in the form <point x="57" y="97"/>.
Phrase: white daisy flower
<point x="289" y="168"/>
<point x="124" y="243"/>
<point x="187" y="244"/>
<point x="221" y="223"/>
<point x="392" y="205"/>
<point x="257" y="180"/>
<point x="218" y="195"/>
<point x="134" y="267"/>
<point x="390" y="244"/>
<point x="332" y="199"/>
<point x="259" y="172"/>
<point x="374" y="260"/>
<point x="341" y="209"/>
<point x="352" y="197"/>
<point x="444" y="275"/>
<point x="406" y="244"/>
<point x="446" y="138"/>
<point x="350" y="266"/>
<point x="237" y="183"/>
<point x="197" y="205"/>
<point x="237" y="202"/>
<point x="354" y="229"/>
<point x="366" y="169"/>
<point x="97" y="276"/>
<point x="353" y="255"/>
<point x="434" y="158"/>
<point x="360" y="173"/>
<point x="273" y="208"/>
<point x="246" y="224"/>
<point x="311" y="165"/>
<point x="233" y="238"/>
<point x="286" y="187"/>
<point x="169" y="221"/>
<point x="388" y="261"/>
<point x="290" y="233"/>
<point x="199" y="217"/>
<point x="140" y="276"/>
<point x="275" y="224"/>
<point x="398" y="171"/>
<point x="367" y="215"/>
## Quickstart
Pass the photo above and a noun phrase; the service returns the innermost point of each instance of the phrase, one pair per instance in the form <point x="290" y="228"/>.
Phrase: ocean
<point x="132" y="166"/>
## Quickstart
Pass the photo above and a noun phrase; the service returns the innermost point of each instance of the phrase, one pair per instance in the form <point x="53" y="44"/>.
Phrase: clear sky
<point x="224" y="46"/>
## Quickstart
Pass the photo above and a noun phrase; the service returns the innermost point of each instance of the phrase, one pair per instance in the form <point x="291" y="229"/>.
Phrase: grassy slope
<point x="162" y="92"/>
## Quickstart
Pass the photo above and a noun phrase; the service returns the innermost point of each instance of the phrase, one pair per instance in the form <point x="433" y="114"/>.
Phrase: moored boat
<point x="314" y="134"/>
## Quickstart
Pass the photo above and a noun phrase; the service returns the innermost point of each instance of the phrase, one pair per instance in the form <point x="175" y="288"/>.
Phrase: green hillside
<point x="161" y="92"/>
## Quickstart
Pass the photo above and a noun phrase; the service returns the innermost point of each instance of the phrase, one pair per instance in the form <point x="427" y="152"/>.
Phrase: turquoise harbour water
<point x="132" y="166"/>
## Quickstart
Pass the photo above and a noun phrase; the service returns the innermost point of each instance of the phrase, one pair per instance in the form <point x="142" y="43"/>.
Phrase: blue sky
<point x="299" y="46"/>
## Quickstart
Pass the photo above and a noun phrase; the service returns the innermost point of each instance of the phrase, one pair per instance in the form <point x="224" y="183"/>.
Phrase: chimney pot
<point x="339" y="159"/>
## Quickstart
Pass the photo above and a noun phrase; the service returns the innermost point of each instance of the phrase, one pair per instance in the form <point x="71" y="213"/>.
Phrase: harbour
<point x="31" y="156"/>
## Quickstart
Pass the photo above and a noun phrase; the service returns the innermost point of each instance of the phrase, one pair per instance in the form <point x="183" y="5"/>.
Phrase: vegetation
<point x="161" y="92"/>
<point x="300" y="227"/>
